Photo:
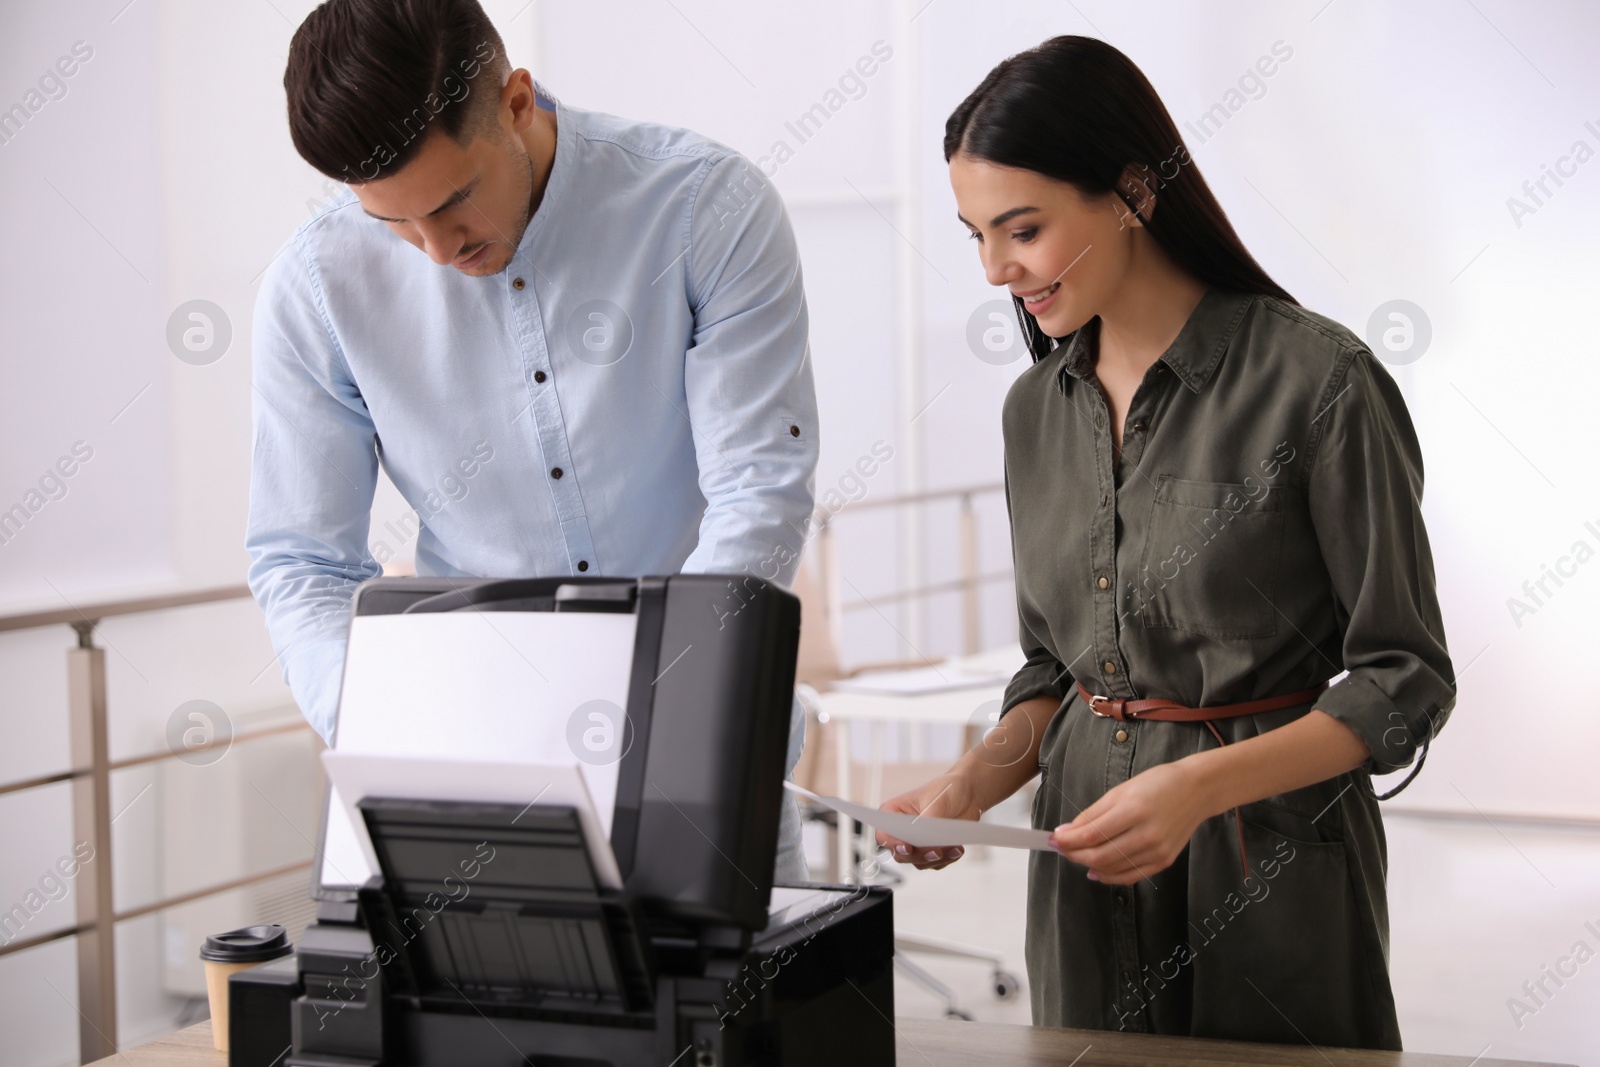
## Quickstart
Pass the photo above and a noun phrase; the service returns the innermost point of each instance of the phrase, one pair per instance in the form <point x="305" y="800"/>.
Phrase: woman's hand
<point x="949" y="796"/>
<point x="1138" y="827"/>
<point x="980" y="779"/>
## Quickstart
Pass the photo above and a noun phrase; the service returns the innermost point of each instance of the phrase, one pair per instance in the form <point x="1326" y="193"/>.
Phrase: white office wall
<point x="1376" y="165"/>
<point x="84" y="284"/>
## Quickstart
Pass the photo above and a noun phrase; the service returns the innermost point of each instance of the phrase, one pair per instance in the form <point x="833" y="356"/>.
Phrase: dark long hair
<point x="1077" y="110"/>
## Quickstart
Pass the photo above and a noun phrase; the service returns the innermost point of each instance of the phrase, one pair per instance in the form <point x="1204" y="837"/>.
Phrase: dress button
<point x="556" y="472"/>
<point x="583" y="564"/>
<point x="518" y="284"/>
<point x="1103" y="582"/>
<point x="1122" y="735"/>
<point x="538" y="375"/>
<point x="1109" y="667"/>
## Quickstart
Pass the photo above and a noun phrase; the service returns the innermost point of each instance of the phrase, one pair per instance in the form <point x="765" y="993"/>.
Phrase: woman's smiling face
<point x="1061" y="252"/>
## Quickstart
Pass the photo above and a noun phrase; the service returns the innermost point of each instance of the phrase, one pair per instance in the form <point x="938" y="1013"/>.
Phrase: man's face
<point x="465" y="206"/>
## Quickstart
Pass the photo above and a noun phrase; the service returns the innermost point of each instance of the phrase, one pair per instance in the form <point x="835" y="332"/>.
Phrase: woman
<point x="1214" y="500"/>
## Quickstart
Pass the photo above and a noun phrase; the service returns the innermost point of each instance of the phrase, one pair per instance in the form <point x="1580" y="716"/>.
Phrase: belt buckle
<point x="1121" y="715"/>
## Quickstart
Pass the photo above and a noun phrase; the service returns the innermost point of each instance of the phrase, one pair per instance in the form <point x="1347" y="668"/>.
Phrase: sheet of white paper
<point x="355" y="776"/>
<point x="514" y="687"/>
<point x="925" y="831"/>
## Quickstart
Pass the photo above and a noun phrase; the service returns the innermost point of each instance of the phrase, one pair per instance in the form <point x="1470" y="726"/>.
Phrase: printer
<point x="496" y="933"/>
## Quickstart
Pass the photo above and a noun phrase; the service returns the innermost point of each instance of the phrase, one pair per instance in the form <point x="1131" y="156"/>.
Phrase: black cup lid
<point x="252" y="944"/>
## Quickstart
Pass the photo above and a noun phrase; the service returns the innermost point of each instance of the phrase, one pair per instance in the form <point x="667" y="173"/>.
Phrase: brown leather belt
<point x="1171" y="711"/>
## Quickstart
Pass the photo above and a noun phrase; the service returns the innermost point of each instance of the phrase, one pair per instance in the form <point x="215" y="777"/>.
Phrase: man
<point x="592" y="358"/>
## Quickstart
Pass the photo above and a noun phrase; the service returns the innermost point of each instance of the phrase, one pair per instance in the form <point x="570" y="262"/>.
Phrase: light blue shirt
<point x="648" y="341"/>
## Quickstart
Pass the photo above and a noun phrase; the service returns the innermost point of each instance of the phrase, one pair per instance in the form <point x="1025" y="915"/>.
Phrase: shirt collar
<point x="560" y="168"/>
<point x="1193" y="355"/>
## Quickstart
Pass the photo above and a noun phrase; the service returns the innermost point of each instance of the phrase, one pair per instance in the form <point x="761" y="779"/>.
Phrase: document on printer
<point x="925" y="831"/>
<point x="513" y="686"/>
<point x="348" y="858"/>
<point x="518" y="688"/>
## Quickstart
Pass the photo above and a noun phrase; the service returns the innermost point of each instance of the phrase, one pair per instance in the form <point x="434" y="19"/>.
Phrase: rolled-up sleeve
<point x="314" y="469"/>
<point x="1041" y="676"/>
<point x="1365" y="497"/>
<point x="747" y="378"/>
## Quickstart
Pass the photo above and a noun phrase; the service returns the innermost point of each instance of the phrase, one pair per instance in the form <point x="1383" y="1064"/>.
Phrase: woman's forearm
<point x="1313" y="748"/>
<point x="1008" y="755"/>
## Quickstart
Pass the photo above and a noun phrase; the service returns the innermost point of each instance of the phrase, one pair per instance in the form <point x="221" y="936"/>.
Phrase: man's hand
<point x="949" y="796"/>
<point x="1138" y="827"/>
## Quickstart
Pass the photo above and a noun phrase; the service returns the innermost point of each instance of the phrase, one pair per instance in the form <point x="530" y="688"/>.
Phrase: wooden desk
<point x="942" y="1043"/>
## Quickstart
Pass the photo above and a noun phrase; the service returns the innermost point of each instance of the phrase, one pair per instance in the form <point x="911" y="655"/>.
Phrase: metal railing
<point x="90" y="775"/>
<point x="92" y="766"/>
<point x="967" y="584"/>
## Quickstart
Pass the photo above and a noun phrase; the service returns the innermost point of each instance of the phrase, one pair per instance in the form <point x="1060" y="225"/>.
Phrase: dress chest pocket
<point x="1210" y="561"/>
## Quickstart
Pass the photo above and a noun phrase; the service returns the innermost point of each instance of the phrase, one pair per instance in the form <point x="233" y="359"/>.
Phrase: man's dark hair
<point x="367" y="80"/>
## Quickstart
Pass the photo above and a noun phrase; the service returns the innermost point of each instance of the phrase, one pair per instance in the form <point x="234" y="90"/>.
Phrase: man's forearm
<point x="307" y="611"/>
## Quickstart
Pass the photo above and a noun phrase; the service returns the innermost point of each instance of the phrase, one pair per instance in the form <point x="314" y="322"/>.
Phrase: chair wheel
<point x="1006" y="985"/>
<point x="957" y="1013"/>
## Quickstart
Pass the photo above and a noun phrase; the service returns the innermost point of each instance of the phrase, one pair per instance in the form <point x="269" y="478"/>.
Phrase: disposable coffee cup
<point x="224" y="954"/>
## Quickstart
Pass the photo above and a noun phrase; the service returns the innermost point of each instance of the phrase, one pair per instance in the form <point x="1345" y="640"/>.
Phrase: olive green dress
<point x="1262" y="534"/>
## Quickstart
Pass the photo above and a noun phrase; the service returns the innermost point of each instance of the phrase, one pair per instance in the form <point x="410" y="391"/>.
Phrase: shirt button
<point x="556" y="472"/>
<point x="1109" y="667"/>
<point x="1139" y="425"/>
<point x="538" y="375"/>
<point x="583" y="564"/>
<point x="1103" y="582"/>
<point x="1122" y="735"/>
<point x="518" y="284"/>
<point x="1122" y="898"/>
<point x="794" y="431"/>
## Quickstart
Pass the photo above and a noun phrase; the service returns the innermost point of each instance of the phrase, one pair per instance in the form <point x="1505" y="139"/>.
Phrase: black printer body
<point x="489" y="939"/>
